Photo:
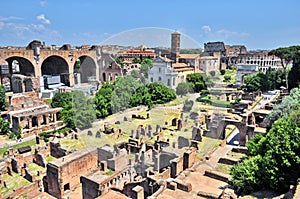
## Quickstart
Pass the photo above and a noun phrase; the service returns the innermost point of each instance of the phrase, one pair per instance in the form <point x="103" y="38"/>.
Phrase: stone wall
<point x="63" y="174"/>
<point x="217" y="175"/>
<point x="56" y="150"/>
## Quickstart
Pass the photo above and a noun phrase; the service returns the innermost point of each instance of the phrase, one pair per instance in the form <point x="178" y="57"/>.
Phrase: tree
<point x="83" y="110"/>
<point x="123" y="89"/>
<point x="3" y="103"/>
<point x="136" y="60"/>
<point x="160" y="93"/>
<point x="294" y="73"/>
<point x="102" y="100"/>
<point x="61" y="99"/>
<point x="135" y="74"/>
<point x="212" y="73"/>
<point x="222" y="71"/>
<point x="288" y="104"/>
<point x="141" y="97"/>
<point x="145" y="66"/>
<point x="197" y="81"/>
<point x="188" y="105"/>
<point x="246" y="175"/>
<point x="183" y="88"/>
<point x="227" y="78"/>
<point x="286" y="55"/>
<point x="274" y="158"/>
<point x="77" y="109"/>
<point x="4" y="127"/>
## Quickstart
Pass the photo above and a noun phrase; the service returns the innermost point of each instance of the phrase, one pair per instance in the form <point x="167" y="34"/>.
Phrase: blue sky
<point x="258" y="24"/>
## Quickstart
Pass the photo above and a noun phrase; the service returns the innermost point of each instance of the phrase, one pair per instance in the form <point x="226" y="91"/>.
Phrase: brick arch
<point x="241" y="126"/>
<point x="55" y="59"/>
<point x="87" y="68"/>
<point x="56" y="65"/>
<point x="26" y="67"/>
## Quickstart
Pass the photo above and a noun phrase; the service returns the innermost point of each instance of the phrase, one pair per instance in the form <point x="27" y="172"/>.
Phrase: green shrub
<point x="188" y="105"/>
<point x="222" y="72"/>
<point x="227" y="78"/>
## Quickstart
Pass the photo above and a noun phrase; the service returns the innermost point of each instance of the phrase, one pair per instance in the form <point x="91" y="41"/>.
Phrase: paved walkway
<point x="199" y="181"/>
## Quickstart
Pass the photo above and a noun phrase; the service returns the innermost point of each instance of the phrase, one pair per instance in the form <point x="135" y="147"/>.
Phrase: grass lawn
<point x="13" y="182"/>
<point x="50" y="158"/>
<point x="34" y="168"/>
<point x="236" y="155"/>
<point x="108" y="173"/>
<point x="30" y="143"/>
<point x="223" y="168"/>
<point x="177" y="101"/>
<point x="207" y="145"/>
<point x="232" y="74"/>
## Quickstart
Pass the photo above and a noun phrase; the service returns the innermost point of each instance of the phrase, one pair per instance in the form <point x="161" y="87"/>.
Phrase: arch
<point x="233" y="138"/>
<point x="20" y="65"/>
<point x="56" y="66"/>
<point x="104" y="77"/>
<point x="86" y="66"/>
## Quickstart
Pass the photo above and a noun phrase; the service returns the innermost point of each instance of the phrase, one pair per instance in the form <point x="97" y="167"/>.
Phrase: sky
<point x="257" y="24"/>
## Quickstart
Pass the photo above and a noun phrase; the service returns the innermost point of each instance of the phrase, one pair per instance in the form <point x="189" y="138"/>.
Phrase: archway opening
<point x="16" y="73"/>
<point x="86" y="66"/>
<point x="55" y="71"/>
<point x="231" y="134"/>
<point x="20" y="65"/>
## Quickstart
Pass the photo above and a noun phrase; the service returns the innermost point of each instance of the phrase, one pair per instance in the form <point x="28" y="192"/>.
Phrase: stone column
<point x="71" y="79"/>
<point x="30" y="123"/>
<point x="47" y="118"/>
<point x="54" y="117"/>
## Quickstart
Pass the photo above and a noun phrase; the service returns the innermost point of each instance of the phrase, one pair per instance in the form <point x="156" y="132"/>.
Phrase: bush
<point x="212" y="73"/>
<point x="204" y="92"/>
<point x="222" y="72"/>
<point x="232" y="67"/>
<point x="188" y="105"/>
<point x="227" y="78"/>
<point x="205" y="99"/>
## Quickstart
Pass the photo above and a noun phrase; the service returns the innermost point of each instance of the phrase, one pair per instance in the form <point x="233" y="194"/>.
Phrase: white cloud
<point x="206" y="29"/>
<point x="43" y="19"/>
<point x="223" y="34"/>
<point x="228" y="34"/>
<point x="43" y="3"/>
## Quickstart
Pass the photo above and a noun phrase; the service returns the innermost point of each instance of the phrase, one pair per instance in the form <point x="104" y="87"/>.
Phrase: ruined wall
<point x="90" y="189"/>
<point x="64" y="173"/>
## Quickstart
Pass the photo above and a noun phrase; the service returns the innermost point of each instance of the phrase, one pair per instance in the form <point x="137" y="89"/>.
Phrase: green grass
<point x="34" y="168"/>
<point x="207" y="145"/>
<point x="13" y="182"/>
<point x="22" y="144"/>
<point x="177" y="101"/>
<point x="50" y="158"/>
<point x="236" y="155"/>
<point x="223" y="168"/>
<point x="232" y="74"/>
<point x="108" y="173"/>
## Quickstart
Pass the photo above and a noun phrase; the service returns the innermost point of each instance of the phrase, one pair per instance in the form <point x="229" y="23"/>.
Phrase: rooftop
<point x="188" y="56"/>
<point x="71" y="157"/>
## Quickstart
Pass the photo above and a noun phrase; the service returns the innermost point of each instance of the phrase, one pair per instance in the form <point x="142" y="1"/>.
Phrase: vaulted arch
<point x="86" y="66"/>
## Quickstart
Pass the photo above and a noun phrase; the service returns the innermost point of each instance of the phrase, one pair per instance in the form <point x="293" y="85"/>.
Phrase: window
<point x="169" y="82"/>
<point x="151" y="79"/>
<point x="67" y="187"/>
<point x="173" y="81"/>
<point x="159" y="70"/>
<point x="159" y="78"/>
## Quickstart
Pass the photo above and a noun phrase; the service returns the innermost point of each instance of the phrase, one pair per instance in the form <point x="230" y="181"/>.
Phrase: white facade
<point x="245" y="69"/>
<point x="209" y="63"/>
<point x="162" y="71"/>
